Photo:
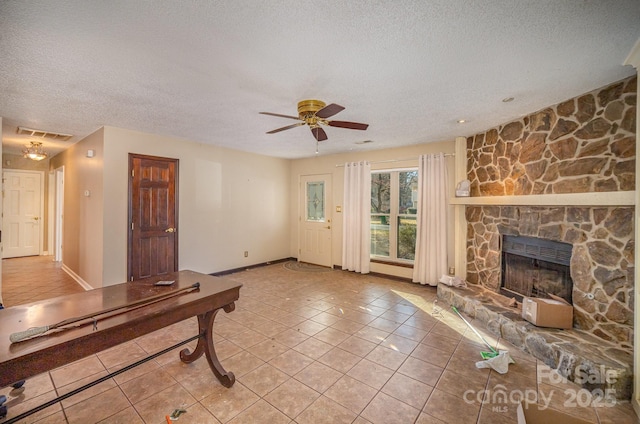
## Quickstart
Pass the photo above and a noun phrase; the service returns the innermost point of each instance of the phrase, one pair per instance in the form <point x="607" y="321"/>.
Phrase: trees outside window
<point x="393" y="214"/>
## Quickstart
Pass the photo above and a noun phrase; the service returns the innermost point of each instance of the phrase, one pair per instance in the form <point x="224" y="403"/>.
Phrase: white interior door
<point x="315" y="220"/>
<point x="22" y="213"/>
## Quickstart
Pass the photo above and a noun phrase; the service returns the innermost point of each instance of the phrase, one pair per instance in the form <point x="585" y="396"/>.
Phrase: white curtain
<point x="431" y="238"/>
<point x="356" y="217"/>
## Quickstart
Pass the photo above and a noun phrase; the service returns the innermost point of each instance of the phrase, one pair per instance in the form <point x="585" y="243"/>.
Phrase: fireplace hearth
<point x="535" y="267"/>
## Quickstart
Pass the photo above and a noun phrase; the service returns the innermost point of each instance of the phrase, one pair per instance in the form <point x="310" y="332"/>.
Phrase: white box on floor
<point x="555" y="313"/>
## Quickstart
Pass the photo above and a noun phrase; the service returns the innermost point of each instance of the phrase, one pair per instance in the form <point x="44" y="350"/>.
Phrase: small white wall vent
<point x="45" y="134"/>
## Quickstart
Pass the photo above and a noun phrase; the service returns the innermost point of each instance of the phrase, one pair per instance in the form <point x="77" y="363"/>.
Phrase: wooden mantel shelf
<point x="611" y="198"/>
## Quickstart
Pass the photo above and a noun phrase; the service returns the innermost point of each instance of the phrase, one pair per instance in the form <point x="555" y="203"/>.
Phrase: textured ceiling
<point x="202" y="70"/>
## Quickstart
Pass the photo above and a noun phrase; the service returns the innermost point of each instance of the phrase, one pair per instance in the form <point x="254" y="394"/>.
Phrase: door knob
<point x="36" y="218"/>
<point x="328" y="227"/>
<point x="170" y="230"/>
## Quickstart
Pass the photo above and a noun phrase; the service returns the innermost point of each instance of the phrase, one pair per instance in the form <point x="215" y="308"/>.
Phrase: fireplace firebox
<point x="535" y="267"/>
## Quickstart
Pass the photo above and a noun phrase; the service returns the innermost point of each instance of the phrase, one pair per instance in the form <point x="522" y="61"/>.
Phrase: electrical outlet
<point x="246" y="253"/>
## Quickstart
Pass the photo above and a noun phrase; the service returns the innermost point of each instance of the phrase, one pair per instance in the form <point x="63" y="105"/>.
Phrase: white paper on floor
<point x="453" y="281"/>
<point x="499" y="363"/>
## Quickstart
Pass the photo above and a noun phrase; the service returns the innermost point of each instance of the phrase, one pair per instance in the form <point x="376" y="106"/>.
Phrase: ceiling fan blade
<point x="286" y="128"/>
<point x="350" y="125"/>
<point x="281" y="116"/>
<point x="319" y="134"/>
<point x="329" y="110"/>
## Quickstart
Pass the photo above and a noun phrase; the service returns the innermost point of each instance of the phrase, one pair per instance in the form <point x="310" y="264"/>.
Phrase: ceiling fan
<point x="315" y="113"/>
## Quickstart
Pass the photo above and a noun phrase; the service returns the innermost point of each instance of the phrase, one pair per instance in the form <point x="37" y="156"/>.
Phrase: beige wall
<point x="229" y="202"/>
<point x="1" y="222"/>
<point x="327" y="165"/>
<point x="11" y="161"/>
<point x="82" y="238"/>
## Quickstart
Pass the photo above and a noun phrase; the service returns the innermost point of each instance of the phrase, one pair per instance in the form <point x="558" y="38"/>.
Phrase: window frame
<point x="394" y="216"/>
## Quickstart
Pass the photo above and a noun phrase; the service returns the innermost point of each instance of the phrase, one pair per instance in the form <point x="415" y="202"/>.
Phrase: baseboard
<point x="338" y="267"/>
<point x="381" y="275"/>
<point x="391" y="277"/>
<point x="77" y="278"/>
<point x="244" y="268"/>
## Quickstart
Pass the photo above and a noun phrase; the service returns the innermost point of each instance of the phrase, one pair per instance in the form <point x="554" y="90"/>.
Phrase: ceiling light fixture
<point x="34" y="151"/>
<point x="507" y="99"/>
<point x="461" y="121"/>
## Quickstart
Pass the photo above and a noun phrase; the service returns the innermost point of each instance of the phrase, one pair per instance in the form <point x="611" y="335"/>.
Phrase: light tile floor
<point x="315" y="347"/>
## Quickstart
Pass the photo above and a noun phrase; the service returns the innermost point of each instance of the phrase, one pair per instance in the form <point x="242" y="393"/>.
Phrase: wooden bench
<point x="58" y="347"/>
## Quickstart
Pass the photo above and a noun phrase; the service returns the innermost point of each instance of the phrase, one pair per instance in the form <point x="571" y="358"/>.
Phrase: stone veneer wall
<point x="585" y="144"/>
<point x="601" y="259"/>
<point x="582" y="145"/>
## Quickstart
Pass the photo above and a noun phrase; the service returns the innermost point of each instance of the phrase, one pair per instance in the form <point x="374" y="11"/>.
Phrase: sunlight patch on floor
<point x="444" y="316"/>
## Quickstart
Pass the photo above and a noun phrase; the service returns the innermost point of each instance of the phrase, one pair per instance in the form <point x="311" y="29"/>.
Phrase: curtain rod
<point x="397" y="160"/>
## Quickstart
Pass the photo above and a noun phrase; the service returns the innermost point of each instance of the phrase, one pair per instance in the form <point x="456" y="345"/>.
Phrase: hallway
<point x="33" y="278"/>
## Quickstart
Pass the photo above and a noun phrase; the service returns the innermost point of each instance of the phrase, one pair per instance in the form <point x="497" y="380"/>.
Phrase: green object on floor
<point x="488" y="355"/>
<point x="176" y="413"/>
<point x="484" y="355"/>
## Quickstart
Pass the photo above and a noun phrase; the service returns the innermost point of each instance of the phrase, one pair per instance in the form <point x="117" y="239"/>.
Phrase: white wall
<point x="327" y="165"/>
<point x="229" y="202"/>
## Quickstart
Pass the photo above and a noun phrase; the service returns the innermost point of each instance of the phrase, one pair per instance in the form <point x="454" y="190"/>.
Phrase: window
<point x="393" y="215"/>
<point x="315" y="201"/>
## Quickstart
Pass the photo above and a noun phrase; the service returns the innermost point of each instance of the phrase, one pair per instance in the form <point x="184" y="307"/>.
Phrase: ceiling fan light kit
<point x="314" y="113"/>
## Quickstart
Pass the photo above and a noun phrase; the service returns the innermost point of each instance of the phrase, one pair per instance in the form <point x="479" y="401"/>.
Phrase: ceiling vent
<point x="44" y="134"/>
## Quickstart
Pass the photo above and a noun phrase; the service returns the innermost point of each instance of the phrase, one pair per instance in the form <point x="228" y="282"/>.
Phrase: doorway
<point x="22" y="224"/>
<point x="153" y="216"/>
<point x="314" y="229"/>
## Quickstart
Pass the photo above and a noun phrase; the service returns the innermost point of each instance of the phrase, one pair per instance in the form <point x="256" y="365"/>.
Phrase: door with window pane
<point x="315" y="220"/>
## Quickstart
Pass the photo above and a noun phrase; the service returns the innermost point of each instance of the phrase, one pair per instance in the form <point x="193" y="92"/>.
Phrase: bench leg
<point x="205" y="345"/>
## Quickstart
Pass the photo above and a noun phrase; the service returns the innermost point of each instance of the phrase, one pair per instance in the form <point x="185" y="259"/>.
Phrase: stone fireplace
<point x="535" y="267"/>
<point x="564" y="174"/>
<point x="601" y="264"/>
<point x="582" y="145"/>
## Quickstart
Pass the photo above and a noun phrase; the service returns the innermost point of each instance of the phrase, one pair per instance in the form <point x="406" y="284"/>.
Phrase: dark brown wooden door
<point x="153" y="216"/>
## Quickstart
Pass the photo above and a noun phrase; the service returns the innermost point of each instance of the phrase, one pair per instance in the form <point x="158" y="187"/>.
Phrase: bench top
<point x="61" y="346"/>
